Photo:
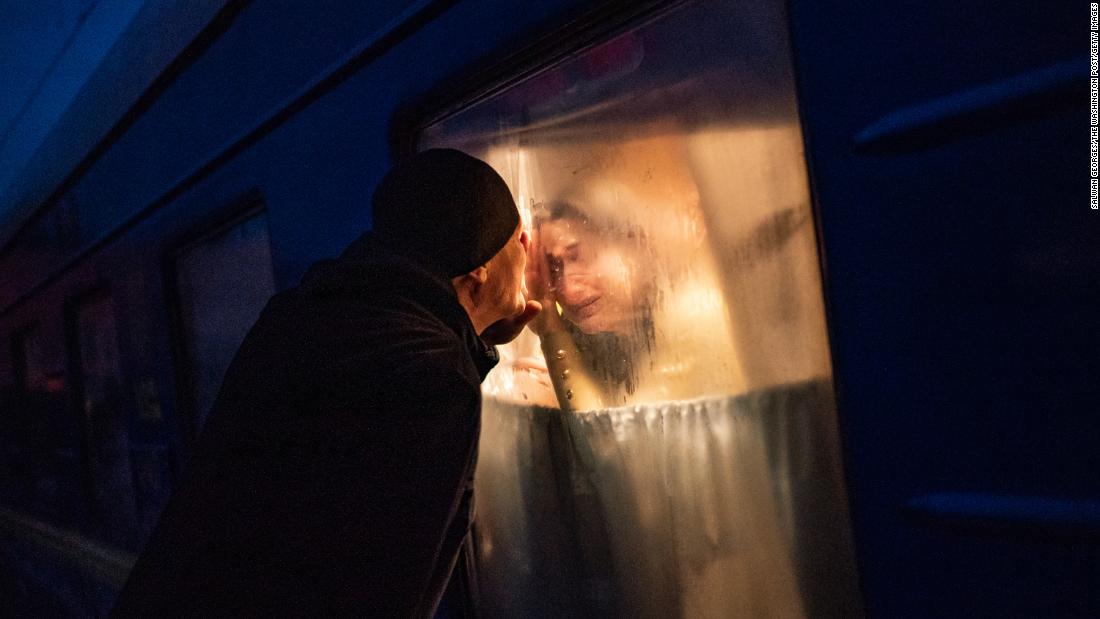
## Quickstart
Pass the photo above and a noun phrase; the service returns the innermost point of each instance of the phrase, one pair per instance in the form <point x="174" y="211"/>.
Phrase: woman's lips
<point x="587" y="308"/>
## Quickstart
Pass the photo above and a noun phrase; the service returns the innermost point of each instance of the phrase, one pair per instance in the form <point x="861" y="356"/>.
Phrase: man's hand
<point x="506" y="330"/>
<point x="538" y="287"/>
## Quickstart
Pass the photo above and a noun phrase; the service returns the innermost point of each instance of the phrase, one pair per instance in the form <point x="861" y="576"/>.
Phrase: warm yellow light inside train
<point x="666" y="446"/>
<point x="683" y="265"/>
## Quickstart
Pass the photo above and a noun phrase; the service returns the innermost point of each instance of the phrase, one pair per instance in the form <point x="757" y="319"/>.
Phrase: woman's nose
<point x="572" y="289"/>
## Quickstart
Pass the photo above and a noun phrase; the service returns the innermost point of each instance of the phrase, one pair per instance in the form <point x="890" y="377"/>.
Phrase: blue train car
<point x="870" y="270"/>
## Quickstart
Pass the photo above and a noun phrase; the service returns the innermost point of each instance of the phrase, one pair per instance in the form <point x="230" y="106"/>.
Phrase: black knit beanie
<point x="445" y="209"/>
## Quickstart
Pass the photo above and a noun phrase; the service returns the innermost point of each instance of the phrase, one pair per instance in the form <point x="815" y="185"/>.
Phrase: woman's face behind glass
<point x="593" y="278"/>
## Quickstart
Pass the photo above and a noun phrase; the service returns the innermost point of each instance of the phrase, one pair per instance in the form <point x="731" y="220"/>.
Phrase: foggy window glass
<point x="224" y="280"/>
<point x="106" y="421"/>
<point x="662" y="442"/>
<point x="661" y="174"/>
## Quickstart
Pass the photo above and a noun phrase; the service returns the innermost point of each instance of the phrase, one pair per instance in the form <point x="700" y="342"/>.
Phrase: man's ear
<point x="479" y="275"/>
<point x="473" y="280"/>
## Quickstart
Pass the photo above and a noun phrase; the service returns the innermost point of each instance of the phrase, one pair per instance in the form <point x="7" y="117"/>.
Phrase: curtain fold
<point x="711" y="507"/>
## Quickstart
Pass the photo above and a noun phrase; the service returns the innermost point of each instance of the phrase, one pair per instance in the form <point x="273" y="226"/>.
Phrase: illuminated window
<point x="655" y="422"/>
<point x="663" y="175"/>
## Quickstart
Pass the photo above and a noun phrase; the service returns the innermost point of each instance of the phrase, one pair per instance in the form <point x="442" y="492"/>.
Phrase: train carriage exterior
<point x="872" y="215"/>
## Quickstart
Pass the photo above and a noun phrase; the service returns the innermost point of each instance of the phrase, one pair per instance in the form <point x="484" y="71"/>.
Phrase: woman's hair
<point x="561" y="208"/>
<point x="612" y="357"/>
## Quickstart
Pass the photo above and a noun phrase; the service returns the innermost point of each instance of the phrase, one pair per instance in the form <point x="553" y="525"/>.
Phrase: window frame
<point x="516" y="60"/>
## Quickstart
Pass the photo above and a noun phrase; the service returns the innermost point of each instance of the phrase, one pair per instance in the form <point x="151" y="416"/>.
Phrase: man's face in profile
<point x="508" y="288"/>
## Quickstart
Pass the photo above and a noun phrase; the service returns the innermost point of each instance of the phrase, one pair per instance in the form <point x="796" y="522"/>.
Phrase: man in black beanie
<point x="334" y="476"/>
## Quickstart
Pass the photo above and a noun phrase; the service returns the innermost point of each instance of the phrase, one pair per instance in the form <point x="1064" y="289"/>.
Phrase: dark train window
<point x="224" y="279"/>
<point x="681" y="378"/>
<point x="45" y="450"/>
<point x="28" y="413"/>
<point x="29" y="361"/>
<point x="106" y="417"/>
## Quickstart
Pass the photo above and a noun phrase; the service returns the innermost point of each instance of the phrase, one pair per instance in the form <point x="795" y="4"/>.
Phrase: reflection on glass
<point x="662" y="441"/>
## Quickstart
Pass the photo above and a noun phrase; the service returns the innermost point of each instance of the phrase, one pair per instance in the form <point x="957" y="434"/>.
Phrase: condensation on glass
<point x="663" y="443"/>
<point x="224" y="280"/>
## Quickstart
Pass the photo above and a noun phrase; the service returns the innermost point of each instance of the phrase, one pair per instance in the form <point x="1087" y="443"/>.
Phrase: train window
<point x="45" y="441"/>
<point x="106" y="419"/>
<point x="680" y="381"/>
<point x="31" y="366"/>
<point x="224" y="279"/>
<point x="29" y="410"/>
<point x="662" y="173"/>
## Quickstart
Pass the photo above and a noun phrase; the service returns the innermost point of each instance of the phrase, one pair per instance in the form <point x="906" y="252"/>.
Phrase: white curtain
<point x="713" y="507"/>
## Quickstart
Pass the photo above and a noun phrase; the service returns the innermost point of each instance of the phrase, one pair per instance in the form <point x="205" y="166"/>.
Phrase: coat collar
<point x="368" y="266"/>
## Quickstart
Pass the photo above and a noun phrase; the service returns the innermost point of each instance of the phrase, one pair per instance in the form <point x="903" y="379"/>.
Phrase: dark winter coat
<point x="334" y="476"/>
